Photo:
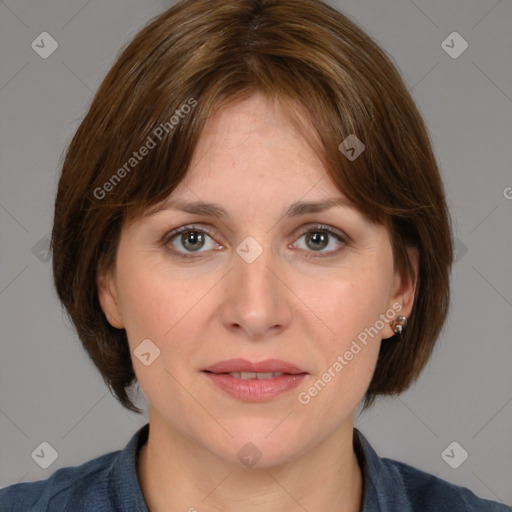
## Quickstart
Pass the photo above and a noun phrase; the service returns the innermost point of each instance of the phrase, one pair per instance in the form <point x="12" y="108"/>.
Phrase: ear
<point x="107" y="296"/>
<point x="404" y="288"/>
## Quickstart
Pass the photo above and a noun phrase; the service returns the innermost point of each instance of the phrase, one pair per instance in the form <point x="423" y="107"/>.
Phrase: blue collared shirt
<point x="110" y="484"/>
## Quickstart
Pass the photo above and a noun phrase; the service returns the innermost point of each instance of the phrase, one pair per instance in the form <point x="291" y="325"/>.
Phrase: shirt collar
<point x="383" y="487"/>
<point x="124" y="482"/>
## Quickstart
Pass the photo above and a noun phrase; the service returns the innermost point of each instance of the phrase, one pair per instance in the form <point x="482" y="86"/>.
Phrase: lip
<point x="255" y="390"/>
<point x="243" y="365"/>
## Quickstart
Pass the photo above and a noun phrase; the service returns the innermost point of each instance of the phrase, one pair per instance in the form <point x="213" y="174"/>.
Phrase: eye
<point x="191" y="240"/>
<point x="319" y="237"/>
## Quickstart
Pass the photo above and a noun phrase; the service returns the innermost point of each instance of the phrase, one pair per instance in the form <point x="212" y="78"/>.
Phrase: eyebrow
<point x="215" y="210"/>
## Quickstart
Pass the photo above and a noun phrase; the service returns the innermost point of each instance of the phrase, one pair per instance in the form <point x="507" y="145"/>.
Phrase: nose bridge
<point x="252" y="265"/>
<point x="256" y="299"/>
<point x="253" y="262"/>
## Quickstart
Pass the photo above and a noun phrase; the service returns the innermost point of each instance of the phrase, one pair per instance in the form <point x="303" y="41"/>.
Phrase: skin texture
<point x="284" y="305"/>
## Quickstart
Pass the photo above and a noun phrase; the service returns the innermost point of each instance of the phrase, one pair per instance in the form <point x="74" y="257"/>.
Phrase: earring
<point x="399" y="324"/>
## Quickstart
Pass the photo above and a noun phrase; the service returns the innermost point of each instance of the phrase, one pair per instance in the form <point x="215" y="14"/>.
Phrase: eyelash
<point x="311" y="229"/>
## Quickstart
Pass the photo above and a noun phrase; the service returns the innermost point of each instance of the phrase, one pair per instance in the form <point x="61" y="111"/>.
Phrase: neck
<point x="177" y="474"/>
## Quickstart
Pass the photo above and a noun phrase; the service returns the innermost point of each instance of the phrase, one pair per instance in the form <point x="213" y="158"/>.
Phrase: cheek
<point x="168" y="308"/>
<point x="144" y="304"/>
<point x="352" y="304"/>
<point x="157" y="308"/>
<point x="351" y="309"/>
<point x="155" y="302"/>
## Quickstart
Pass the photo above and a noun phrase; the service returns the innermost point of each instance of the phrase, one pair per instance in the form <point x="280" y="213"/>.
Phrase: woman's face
<point x="255" y="284"/>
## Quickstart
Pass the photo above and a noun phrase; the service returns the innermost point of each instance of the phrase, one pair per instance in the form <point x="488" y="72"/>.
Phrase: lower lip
<point x="256" y="390"/>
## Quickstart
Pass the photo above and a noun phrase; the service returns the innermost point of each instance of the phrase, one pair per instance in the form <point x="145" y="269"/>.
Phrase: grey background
<point x="49" y="391"/>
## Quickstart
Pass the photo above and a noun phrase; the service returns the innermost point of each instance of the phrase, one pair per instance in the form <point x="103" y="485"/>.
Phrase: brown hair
<point x="331" y="80"/>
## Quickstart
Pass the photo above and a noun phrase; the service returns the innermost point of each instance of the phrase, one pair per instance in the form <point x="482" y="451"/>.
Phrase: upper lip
<point x="243" y="365"/>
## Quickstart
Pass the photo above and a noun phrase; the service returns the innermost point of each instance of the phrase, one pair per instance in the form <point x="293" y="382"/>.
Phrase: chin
<point x="261" y="445"/>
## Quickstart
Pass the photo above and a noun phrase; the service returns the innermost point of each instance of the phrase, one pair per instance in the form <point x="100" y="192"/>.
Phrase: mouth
<point x="254" y="375"/>
<point x="255" y="382"/>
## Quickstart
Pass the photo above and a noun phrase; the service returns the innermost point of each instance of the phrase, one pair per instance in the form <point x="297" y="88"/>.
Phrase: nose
<point x="257" y="303"/>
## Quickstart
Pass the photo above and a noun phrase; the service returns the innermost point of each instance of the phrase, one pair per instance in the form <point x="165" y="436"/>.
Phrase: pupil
<point x="318" y="237"/>
<point x="193" y="237"/>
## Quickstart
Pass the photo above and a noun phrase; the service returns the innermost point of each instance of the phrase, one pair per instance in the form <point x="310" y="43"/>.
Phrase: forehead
<point x="250" y="150"/>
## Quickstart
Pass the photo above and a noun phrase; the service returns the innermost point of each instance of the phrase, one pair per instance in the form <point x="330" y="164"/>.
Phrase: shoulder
<point x="391" y="485"/>
<point x="69" y="488"/>
<point x="429" y="493"/>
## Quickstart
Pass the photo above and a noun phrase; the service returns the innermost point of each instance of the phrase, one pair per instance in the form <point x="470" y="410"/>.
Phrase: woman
<point x="250" y="223"/>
